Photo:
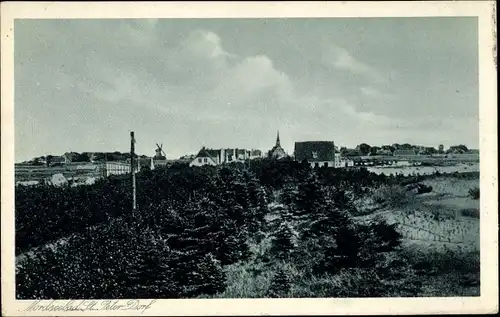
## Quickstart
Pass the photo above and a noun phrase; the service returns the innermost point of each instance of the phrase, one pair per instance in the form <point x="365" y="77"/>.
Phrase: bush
<point x="392" y="195"/>
<point x="442" y="261"/>
<point x="211" y="276"/>
<point x="282" y="242"/>
<point x="418" y="188"/>
<point x="391" y="277"/>
<point x="474" y="193"/>
<point x="280" y="284"/>
<point x="470" y="212"/>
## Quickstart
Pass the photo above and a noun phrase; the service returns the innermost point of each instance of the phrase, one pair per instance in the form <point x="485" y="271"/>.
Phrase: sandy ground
<point x="435" y="219"/>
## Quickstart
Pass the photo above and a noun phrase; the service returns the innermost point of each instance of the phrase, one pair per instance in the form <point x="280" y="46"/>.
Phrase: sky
<point x="83" y="85"/>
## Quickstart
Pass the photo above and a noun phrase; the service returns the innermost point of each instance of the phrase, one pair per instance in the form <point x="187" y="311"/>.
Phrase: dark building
<point x="317" y="153"/>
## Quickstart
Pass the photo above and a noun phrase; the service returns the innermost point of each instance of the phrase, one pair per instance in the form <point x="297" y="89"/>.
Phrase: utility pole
<point x="132" y="169"/>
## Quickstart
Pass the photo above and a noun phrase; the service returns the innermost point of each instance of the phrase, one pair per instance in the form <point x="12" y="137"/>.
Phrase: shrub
<point x="389" y="278"/>
<point x="418" y="188"/>
<point x="211" y="278"/>
<point x="474" y="193"/>
<point x="470" y="212"/>
<point x="280" y="284"/>
<point x="441" y="261"/>
<point x="393" y="195"/>
<point x="282" y="243"/>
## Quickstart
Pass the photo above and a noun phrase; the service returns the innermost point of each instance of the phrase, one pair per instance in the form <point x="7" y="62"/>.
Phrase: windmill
<point x="160" y="154"/>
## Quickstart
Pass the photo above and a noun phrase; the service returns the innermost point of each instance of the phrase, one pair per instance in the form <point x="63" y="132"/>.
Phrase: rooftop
<point x="315" y="151"/>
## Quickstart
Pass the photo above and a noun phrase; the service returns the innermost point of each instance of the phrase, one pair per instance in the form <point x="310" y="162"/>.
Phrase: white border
<point x="484" y="10"/>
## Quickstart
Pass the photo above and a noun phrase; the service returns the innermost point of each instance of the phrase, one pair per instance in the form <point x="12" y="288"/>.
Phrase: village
<point x="86" y="167"/>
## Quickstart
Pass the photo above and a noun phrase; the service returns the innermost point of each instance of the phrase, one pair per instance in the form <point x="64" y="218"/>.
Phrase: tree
<point x="211" y="277"/>
<point x="374" y="150"/>
<point x="441" y="149"/>
<point x="258" y="207"/>
<point x="388" y="148"/>
<point x="37" y="161"/>
<point x="280" y="284"/>
<point x="364" y="148"/>
<point x="49" y="159"/>
<point x="310" y="196"/>
<point x="99" y="157"/>
<point x="83" y="157"/>
<point x="282" y="244"/>
<point x="458" y="149"/>
<point x="430" y="150"/>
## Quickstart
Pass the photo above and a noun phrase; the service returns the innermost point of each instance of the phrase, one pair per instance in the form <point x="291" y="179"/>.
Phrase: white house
<point x="403" y="163"/>
<point x="342" y="161"/>
<point x="116" y="168"/>
<point x="207" y="157"/>
<point x="221" y="156"/>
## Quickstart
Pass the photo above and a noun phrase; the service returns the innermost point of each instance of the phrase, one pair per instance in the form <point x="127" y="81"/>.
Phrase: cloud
<point x="340" y="58"/>
<point x="375" y="93"/>
<point x="197" y="81"/>
<point x="249" y="79"/>
<point x="186" y="87"/>
<point x="203" y="44"/>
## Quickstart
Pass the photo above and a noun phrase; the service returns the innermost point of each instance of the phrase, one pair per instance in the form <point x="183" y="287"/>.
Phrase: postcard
<point x="245" y="158"/>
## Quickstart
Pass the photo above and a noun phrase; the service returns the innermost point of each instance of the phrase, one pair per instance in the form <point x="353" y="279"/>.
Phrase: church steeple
<point x="278" y="140"/>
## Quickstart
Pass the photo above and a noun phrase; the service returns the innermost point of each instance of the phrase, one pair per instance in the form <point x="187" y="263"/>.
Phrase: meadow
<point x="274" y="229"/>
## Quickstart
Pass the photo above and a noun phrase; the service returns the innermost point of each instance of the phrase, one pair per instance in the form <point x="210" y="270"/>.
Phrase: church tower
<point x="277" y="151"/>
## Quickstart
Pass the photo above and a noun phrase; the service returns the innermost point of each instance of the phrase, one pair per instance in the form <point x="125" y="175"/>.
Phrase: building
<point x="405" y="153"/>
<point x="277" y="151"/>
<point x="207" y="157"/>
<point x="155" y="163"/>
<point x="116" y="168"/>
<point x="403" y="163"/>
<point x="319" y="154"/>
<point x="384" y="152"/>
<point x="57" y="161"/>
<point x="143" y="162"/>
<point x="342" y="161"/>
<point x="255" y="154"/>
<point x="186" y="158"/>
<point x="220" y="156"/>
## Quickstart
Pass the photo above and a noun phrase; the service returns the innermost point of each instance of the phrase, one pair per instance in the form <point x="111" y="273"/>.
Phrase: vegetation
<point x="474" y="193"/>
<point x="273" y="229"/>
<point x="364" y="149"/>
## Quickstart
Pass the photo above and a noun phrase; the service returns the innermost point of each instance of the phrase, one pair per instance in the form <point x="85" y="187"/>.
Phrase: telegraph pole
<point x="132" y="169"/>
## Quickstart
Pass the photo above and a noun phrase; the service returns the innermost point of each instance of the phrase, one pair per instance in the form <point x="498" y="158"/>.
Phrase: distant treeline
<point x="364" y="149"/>
<point x="82" y="157"/>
